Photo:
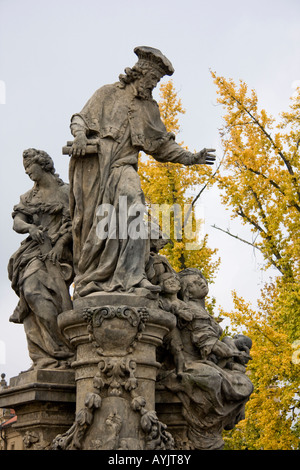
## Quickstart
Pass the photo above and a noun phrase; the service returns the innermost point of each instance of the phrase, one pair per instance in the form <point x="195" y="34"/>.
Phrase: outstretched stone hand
<point x="205" y="157"/>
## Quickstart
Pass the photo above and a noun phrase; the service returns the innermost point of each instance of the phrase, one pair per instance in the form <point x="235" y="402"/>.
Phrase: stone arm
<point x="79" y="131"/>
<point x="56" y="253"/>
<point x="182" y="312"/>
<point x="172" y="152"/>
<point x="169" y="151"/>
<point x="22" y="225"/>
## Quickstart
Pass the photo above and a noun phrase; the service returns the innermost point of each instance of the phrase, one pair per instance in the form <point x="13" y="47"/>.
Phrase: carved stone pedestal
<point x="115" y="337"/>
<point x="169" y="411"/>
<point x="44" y="401"/>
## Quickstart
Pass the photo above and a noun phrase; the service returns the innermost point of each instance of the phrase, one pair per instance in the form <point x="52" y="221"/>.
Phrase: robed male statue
<point x="123" y="119"/>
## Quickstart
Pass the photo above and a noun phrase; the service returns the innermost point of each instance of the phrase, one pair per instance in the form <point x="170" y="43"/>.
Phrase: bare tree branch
<point x="251" y="244"/>
<point x="237" y="237"/>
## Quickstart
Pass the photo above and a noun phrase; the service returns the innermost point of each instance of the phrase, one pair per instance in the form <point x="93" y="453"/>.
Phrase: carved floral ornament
<point x="155" y="435"/>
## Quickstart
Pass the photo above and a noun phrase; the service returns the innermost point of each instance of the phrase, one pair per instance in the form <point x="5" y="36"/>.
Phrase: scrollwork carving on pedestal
<point x="114" y="332"/>
<point x="136" y="317"/>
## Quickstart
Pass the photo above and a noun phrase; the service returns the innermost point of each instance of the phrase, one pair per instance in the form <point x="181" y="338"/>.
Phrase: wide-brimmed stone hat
<point x="156" y="58"/>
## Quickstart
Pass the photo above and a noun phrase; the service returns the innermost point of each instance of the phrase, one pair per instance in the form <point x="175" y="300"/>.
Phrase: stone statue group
<point x="62" y="250"/>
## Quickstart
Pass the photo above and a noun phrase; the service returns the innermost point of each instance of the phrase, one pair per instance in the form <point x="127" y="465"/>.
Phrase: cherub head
<point x="193" y="284"/>
<point x="170" y="283"/>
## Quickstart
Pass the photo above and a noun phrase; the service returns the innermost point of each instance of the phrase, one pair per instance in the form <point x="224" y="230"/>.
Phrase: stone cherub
<point x="197" y="334"/>
<point x="41" y="269"/>
<point x="169" y="301"/>
<point x="203" y="332"/>
<point x="157" y="264"/>
<point x="212" y="387"/>
<point x="123" y="119"/>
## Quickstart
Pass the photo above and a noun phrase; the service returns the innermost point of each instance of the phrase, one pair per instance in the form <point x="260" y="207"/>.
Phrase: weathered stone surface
<point x="116" y="337"/>
<point x="169" y="410"/>
<point x="122" y="119"/>
<point x="44" y="401"/>
<point x="211" y="383"/>
<point x="41" y="270"/>
<point x="134" y="361"/>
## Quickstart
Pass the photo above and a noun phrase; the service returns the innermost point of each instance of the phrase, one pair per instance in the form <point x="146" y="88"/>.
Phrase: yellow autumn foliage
<point x="260" y="184"/>
<point x="175" y="184"/>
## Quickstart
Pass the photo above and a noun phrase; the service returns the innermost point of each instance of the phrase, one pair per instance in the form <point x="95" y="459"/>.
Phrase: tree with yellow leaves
<point x="260" y="184"/>
<point x="172" y="185"/>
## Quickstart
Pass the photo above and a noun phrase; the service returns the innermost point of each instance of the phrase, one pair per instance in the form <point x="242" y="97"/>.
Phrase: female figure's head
<point x="38" y="162"/>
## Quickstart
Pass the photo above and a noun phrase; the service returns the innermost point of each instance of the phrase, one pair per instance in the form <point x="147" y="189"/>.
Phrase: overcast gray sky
<point x="54" y="55"/>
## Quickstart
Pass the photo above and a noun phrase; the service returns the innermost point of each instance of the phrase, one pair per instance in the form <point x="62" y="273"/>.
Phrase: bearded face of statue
<point x="147" y="83"/>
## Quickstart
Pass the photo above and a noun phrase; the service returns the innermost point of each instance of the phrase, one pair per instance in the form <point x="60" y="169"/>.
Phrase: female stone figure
<point x="41" y="269"/>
